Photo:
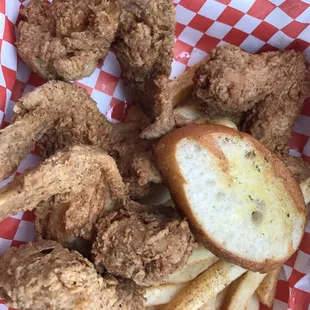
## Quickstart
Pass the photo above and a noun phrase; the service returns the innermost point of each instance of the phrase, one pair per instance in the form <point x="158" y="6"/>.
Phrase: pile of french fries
<point x="207" y="283"/>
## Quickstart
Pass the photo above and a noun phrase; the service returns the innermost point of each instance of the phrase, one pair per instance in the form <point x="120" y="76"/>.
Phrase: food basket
<point x="255" y="26"/>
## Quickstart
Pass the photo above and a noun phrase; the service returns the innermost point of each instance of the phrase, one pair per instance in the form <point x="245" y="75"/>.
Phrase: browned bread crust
<point x="204" y="134"/>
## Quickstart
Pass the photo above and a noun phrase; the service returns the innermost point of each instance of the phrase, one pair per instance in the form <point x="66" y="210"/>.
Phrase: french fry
<point x="209" y="305"/>
<point x="253" y="303"/>
<point x="192" y="270"/>
<point x="190" y="113"/>
<point x="305" y="189"/>
<point x="161" y="294"/>
<point x="221" y="297"/>
<point x="182" y="86"/>
<point x="267" y="289"/>
<point x="205" y="286"/>
<point x="224" y="122"/>
<point x="241" y="291"/>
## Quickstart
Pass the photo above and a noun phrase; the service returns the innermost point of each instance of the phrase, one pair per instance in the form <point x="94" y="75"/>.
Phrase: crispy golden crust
<point x="233" y="81"/>
<point x="145" y="246"/>
<point x="70" y="215"/>
<point x="145" y="39"/>
<point x="144" y="47"/>
<point x="298" y="167"/>
<point x="262" y="93"/>
<point x="165" y="161"/>
<point x="267" y="290"/>
<point x="130" y="296"/>
<point x="44" y="275"/>
<point x="59" y="114"/>
<point x="163" y="95"/>
<point x="66" y="39"/>
<point x="68" y="172"/>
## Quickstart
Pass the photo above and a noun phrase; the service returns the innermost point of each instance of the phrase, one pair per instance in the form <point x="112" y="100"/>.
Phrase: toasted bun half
<point x="241" y="200"/>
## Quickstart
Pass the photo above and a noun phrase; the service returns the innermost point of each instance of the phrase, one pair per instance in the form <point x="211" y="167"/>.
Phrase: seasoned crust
<point x="59" y="114"/>
<point x="298" y="167"/>
<point x="167" y="164"/>
<point x="144" y="48"/>
<point x="44" y="275"/>
<point x="262" y="93"/>
<point x="145" y="39"/>
<point x="143" y="245"/>
<point x="66" y="39"/>
<point x="68" y="172"/>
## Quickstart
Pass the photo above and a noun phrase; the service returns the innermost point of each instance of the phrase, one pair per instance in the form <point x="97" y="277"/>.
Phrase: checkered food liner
<point x="255" y="26"/>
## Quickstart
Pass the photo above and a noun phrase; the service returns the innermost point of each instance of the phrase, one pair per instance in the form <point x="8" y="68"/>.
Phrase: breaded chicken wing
<point x="79" y="184"/>
<point x="59" y="114"/>
<point x="298" y="167"/>
<point x="67" y="38"/>
<point x="142" y="245"/>
<point x="44" y="275"/>
<point x="144" y="46"/>
<point x="267" y="89"/>
<point x="145" y="39"/>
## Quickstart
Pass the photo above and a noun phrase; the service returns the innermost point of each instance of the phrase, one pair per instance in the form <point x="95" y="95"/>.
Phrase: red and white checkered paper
<point x="255" y="26"/>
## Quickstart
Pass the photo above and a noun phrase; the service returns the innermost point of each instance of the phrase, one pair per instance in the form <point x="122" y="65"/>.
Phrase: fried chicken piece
<point x="142" y="245"/>
<point x="67" y="38"/>
<point x="68" y="173"/>
<point x="59" y="114"/>
<point x="67" y="216"/>
<point x="163" y="95"/>
<point x="44" y="275"/>
<point x="269" y="86"/>
<point x="130" y="296"/>
<point x="298" y="167"/>
<point x="271" y="121"/>
<point x="54" y="115"/>
<point x="145" y="39"/>
<point x="144" y="46"/>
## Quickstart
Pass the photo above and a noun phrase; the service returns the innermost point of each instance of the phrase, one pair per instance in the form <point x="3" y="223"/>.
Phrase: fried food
<point x="205" y="287"/>
<point x="163" y="95"/>
<point x="44" y="275"/>
<point x="242" y="290"/>
<point x="68" y="173"/>
<point x="267" y="289"/>
<point x="59" y="114"/>
<point x="74" y="214"/>
<point x="190" y="114"/>
<point x="66" y="39"/>
<point x="144" y="47"/>
<point x="143" y="245"/>
<point x="130" y="296"/>
<point x="200" y="260"/>
<point x="145" y="39"/>
<point x="54" y="115"/>
<point x="270" y="87"/>
<point x="162" y="294"/>
<point x="298" y="167"/>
